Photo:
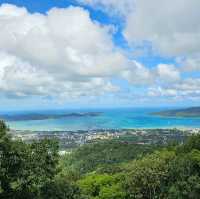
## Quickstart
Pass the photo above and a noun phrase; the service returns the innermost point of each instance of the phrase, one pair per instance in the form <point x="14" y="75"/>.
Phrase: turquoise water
<point x="108" y="119"/>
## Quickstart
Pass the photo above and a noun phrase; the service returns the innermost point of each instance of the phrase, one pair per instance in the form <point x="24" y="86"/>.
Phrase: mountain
<point x="186" y="112"/>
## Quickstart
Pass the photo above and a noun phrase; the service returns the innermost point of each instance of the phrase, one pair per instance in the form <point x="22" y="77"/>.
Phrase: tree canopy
<point x="102" y="170"/>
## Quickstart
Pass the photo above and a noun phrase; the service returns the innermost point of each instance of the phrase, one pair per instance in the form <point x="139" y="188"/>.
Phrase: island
<point x="43" y="116"/>
<point x="185" y="112"/>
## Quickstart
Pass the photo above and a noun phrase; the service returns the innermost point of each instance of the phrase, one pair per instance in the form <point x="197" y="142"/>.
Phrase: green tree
<point x="184" y="176"/>
<point x="60" y="188"/>
<point x="105" y="186"/>
<point x="149" y="176"/>
<point x="25" y="168"/>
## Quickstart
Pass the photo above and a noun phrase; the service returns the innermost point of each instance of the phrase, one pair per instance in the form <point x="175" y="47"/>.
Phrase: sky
<point x="99" y="53"/>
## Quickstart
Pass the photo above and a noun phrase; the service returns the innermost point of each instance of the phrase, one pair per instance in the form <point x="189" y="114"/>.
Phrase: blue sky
<point x="96" y="53"/>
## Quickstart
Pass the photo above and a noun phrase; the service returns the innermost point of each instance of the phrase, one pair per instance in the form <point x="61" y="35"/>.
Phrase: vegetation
<point x="29" y="170"/>
<point x="103" y="170"/>
<point x="104" y="155"/>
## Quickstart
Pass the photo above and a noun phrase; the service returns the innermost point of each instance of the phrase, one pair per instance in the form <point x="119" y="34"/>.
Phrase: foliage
<point x="149" y="175"/>
<point x="102" y="186"/>
<point x="172" y="173"/>
<point x="60" y="188"/>
<point x="25" y="169"/>
<point x="102" y="170"/>
<point x="103" y="154"/>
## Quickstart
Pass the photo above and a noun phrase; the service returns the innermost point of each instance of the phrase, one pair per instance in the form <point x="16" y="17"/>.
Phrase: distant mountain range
<point x="39" y="116"/>
<point x="186" y="112"/>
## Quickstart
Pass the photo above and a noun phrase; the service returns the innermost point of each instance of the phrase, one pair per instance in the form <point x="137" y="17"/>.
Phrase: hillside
<point x="102" y="170"/>
<point x="187" y="112"/>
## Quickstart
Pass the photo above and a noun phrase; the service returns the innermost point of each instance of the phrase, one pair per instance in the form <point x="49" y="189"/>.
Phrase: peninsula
<point x="185" y="112"/>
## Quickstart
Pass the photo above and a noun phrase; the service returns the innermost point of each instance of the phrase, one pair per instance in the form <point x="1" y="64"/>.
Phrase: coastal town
<point x="73" y="139"/>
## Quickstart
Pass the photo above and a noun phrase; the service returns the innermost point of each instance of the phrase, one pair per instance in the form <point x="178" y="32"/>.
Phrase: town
<point x="73" y="139"/>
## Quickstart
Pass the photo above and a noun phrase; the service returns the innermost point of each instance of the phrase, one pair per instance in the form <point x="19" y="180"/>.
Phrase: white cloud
<point x="65" y="54"/>
<point x="63" y="38"/>
<point x="60" y="53"/>
<point x="186" y="89"/>
<point x="112" y="7"/>
<point x="161" y="92"/>
<point x="191" y="64"/>
<point x="21" y="79"/>
<point x="168" y="73"/>
<point x="172" y="26"/>
<point x="190" y="85"/>
<point x="140" y="75"/>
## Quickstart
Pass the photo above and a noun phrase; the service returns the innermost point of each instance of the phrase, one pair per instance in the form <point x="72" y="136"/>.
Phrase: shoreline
<point x="106" y="129"/>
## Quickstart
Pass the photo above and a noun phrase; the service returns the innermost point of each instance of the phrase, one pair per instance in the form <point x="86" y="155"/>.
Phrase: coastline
<point x="107" y="129"/>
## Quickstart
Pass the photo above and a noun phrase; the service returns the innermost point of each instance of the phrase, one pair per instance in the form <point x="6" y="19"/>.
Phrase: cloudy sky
<point x="99" y="53"/>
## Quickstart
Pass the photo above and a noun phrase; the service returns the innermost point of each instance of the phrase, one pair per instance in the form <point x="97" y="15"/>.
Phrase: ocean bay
<point x="88" y="119"/>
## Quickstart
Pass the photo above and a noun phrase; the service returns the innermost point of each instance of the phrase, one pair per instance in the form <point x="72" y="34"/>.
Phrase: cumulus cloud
<point x="172" y="26"/>
<point x="21" y="79"/>
<point x="173" y="30"/>
<point x="139" y="76"/>
<point x="63" y="38"/>
<point x="161" y="92"/>
<point x="168" y="73"/>
<point x="62" y="52"/>
<point x="187" y="89"/>
<point x="191" y="64"/>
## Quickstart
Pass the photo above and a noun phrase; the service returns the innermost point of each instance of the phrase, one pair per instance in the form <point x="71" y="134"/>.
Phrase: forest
<point x="103" y="170"/>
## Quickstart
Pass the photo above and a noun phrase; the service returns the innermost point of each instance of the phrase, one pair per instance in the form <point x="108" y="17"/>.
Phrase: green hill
<point x="187" y="112"/>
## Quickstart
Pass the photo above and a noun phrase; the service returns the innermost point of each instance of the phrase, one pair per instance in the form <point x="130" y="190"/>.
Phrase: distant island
<point x="40" y="116"/>
<point x="186" y="112"/>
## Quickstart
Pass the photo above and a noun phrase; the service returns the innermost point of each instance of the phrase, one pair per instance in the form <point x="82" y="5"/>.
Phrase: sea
<point x="109" y="118"/>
